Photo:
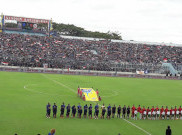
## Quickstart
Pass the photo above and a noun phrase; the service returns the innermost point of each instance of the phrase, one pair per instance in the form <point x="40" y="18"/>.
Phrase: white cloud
<point x="143" y="20"/>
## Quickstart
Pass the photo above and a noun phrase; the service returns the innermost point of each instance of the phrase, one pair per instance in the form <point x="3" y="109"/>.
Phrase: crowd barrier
<point x="86" y="72"/>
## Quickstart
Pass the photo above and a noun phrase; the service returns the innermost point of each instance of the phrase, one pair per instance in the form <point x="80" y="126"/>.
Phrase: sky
<point x="139" y="20"/>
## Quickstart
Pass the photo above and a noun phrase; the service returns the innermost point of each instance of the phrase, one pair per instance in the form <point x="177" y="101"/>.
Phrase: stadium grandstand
<point x="27" y="45"/>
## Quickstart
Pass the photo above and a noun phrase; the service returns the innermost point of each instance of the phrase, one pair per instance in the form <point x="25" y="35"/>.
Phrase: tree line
<point x="72" y="30"/>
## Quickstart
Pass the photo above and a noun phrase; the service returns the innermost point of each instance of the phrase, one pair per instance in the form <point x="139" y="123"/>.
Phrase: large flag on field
<point x="90" y="94"/>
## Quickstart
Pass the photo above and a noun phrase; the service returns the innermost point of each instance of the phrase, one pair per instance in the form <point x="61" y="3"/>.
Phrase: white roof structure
<point x="124" y="41"/>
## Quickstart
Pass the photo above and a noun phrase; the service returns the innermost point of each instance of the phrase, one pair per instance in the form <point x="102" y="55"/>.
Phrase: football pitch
<point x="24" y="96"/>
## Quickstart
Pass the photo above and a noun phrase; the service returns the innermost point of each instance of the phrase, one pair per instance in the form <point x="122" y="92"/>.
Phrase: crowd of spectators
<point x="57" y="52"/>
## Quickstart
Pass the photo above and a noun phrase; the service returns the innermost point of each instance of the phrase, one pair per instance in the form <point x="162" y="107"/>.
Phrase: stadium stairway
<point x="170" y="67"/>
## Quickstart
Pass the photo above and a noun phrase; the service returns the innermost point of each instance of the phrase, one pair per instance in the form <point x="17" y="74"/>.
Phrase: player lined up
<point x="156" y="113"/>
<point x="144" y="113"/>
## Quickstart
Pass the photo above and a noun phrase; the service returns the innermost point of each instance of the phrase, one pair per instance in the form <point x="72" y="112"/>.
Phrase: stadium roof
<point x="124" y="41"/>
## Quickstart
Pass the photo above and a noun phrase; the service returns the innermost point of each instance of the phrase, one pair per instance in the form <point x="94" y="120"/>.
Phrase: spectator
<point x="57" y="52"/>
<point x="53" y="131"/>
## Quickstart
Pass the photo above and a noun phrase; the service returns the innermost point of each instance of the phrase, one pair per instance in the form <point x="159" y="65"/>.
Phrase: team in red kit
<point x="156" y="113"/>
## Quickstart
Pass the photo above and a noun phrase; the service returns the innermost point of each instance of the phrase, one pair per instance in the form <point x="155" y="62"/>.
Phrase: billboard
<point x="24" y="19"/>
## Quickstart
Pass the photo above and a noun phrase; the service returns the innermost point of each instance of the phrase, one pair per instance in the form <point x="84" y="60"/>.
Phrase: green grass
<point x="23" y="110"/>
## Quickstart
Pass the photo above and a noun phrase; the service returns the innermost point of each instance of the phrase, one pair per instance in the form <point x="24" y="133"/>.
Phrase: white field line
<point x="99" y="105"/>
<point x="39" y="92"/>
<point x="112" y="95"/>
<point x="59" y="83"/>
<point x="134" y="125"/>
<point x="137" y="127"/>
<point x="25" y="87"/>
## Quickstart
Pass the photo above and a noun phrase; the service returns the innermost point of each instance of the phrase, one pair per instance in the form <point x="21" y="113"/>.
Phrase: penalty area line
<point x="44" y="93"/>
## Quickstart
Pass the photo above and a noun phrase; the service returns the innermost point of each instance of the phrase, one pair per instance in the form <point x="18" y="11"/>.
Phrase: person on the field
<point x="148" y="110"/>
<point x="109" y="112"/>
<point x="157" y="108"/>
<point x="168" y="131"/>
<point x="119" y="112"/>
<point x="113" y="111"/>
<point x="152" y="109"/>
<point x="133" y="109"/>
<point x="48" y="108"/>
<point x="168" y="115"/>
<point x="68" y="110"/>
<point x="96" y="108"/>
<point x="97" y="92"/>
<point x="141" y="114"/>
<point x="80" y="112"/>
<point x="103" y="106"/>
<point x="83" y="97"/>
<point x="135" y="114"/>
<point x="175" y="110"/>
<point x="100" y="98"/>
<point x="144" y="113"/>
<point x="128" y="112"/>
<point x="124" y="112"/>
<point x="78" y="91"/>
<point x="103" y="113"/>
<point x="154" y="114"/>
<point x="90" y="111"/>
<point x="54" y="108"/>
<point x="139" y="110"/>
<point x="62" y="110"/>
<point x="166" y="110"/>
<point x="73" y="111"/>
<point x="149" y="114"/>
<point x="85" y="111"/>
<point x="172" y="113"/>
<point x="162" y="113"/>
<point x="180" y="112"/>
<point x="158" y="114"/>
<point x="96" y="113"/>
<point x="78" y="107"/>
<point x="157" y="111"/>
<point x="177" y="114"/>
